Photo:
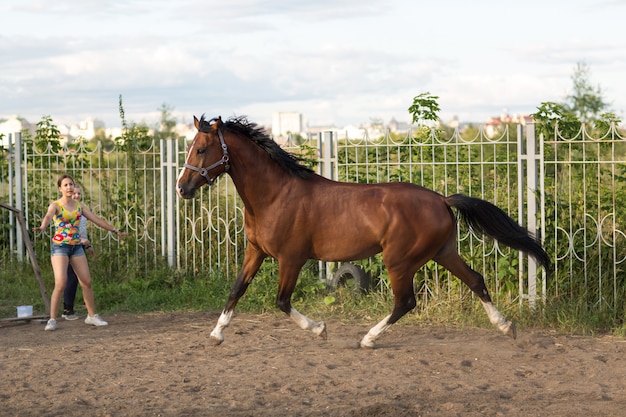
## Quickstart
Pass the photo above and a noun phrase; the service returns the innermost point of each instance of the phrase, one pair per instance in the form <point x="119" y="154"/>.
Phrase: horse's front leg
<point x="252" y="261"/>
<point x="305" y="323"/>
<point x="288" y="277"/>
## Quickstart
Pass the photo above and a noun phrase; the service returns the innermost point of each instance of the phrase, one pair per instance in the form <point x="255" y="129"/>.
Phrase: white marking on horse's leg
<point x="372" y="335"/>
<point x="306" y="323"/>
<point x="506" y="327"/>
<point x="217" y="334"/>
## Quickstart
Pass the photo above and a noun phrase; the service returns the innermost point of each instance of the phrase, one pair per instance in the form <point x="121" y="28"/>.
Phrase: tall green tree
<point x="585" y="100"/>
<point x="167" y="124"/>
<point x="425" y="107"/>
<point x="585" y="104"/>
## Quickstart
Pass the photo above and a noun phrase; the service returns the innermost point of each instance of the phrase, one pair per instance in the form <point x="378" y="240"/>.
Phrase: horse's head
<point x="207" y="158"/>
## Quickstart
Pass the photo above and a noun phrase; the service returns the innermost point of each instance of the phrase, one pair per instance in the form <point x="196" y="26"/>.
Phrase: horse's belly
<point x="335" y="250"/>
<point x="337" y="257"/>
<point x="345" y="237"/>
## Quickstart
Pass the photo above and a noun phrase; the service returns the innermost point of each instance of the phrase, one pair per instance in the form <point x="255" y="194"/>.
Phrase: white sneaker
<point x="95" y="320"/>
<point x="51" y="325"/>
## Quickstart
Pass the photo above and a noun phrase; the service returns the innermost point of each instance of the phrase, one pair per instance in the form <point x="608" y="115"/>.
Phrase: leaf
<point x="329" y="299"/>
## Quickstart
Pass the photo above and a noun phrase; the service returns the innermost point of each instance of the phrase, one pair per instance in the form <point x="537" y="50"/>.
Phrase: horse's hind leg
<point x="450" y="259"/>
<point x="251" y="263"/>
<point x="404" y="301"/>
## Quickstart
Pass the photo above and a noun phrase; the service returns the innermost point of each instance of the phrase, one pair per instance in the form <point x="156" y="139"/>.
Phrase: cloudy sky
<point x="336" y="61"/>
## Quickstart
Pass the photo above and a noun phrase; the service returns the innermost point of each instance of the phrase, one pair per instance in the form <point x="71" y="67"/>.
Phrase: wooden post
<point x="31" y="254"/>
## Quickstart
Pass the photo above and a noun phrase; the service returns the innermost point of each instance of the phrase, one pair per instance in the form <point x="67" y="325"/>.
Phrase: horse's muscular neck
<point x="258" y="179"/>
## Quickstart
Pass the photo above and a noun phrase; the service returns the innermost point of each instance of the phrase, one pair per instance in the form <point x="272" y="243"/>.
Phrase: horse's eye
<point x="201" y="151"/>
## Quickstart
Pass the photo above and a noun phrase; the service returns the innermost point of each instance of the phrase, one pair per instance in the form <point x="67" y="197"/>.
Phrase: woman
<point x="66" y="249"/>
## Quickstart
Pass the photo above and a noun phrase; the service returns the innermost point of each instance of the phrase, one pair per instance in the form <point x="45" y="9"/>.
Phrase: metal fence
<point x="569" y="191"/>
<point x="583" y="188"/>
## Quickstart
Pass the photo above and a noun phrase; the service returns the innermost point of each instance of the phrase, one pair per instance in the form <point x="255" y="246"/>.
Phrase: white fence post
<point x="328" y="155"/>
<point x="529" y="164"/>
<point x="327" y="168"/>
<point x="169" y="158"/>
<point x="10" y="192"/>
<point x="16" y="187"/>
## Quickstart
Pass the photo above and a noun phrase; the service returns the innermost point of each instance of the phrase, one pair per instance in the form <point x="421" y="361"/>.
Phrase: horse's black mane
<point x="240" y="125"/>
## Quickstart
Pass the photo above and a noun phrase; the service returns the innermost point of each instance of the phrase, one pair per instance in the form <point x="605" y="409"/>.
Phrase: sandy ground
<point x="164" y="365"/>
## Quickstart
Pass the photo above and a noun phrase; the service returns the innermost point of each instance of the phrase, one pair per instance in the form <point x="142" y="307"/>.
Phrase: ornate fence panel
<point x="211" y="232"/>
<point x="584" y="186"/>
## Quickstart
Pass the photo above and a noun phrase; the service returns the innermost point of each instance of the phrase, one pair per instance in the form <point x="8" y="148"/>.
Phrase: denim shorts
<point x="63" y="249"/>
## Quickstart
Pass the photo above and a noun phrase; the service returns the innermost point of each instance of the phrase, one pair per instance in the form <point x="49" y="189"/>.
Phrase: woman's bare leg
<point x="59" y="268"/>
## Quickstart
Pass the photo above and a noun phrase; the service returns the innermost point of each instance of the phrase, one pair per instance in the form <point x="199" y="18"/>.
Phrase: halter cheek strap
<point x="204" y="172"/>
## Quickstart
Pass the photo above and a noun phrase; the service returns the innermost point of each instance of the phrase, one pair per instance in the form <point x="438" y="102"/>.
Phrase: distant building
<point x="85" y="129"/>
<point x="398" y="127"/>
<point x="367" y="131"/>
<point x="494" y="125"/>
<point x="286" y="123"/>
<point x="14" y="124"/>
<point x="185" y="130"/>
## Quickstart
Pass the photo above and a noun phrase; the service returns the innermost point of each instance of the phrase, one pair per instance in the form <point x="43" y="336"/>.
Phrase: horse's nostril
<point x="184" y="192"/>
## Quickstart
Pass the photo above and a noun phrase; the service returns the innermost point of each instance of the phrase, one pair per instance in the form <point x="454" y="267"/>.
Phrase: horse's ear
<point x="196" y="123"/>
<point x="217" y="123"/>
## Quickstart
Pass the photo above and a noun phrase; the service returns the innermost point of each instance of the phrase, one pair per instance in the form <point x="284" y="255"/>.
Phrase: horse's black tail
<point x="486" y="218"/>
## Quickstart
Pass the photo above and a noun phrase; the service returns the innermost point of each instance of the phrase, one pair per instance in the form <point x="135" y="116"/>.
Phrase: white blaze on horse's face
<point x="182" y="171"/>
<point x="178" y="188"/>
<point x="187" y="165"/>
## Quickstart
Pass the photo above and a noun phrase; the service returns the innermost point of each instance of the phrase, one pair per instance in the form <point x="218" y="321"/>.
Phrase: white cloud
<point x="339" y="61"/>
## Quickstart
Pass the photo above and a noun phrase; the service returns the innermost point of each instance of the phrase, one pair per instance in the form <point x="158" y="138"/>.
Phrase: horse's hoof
<point x="367" y="343"/>
<point x="216" y="340"/>
<point x="320" y="330"/>
<point x="510" y="330"/>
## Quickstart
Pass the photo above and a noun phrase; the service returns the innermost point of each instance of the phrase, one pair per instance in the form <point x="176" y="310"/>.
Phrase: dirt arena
<point x="163" y="365"/>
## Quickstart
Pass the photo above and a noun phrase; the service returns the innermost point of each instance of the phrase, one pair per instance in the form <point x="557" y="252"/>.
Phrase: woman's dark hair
<point x="62" y="177"/>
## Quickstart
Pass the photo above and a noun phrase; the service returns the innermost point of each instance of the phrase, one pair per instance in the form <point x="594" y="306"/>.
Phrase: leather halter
<point x="204" y="172"/>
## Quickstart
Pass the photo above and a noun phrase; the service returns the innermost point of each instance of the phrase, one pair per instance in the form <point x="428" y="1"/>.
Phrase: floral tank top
<point x="66" y="224"/>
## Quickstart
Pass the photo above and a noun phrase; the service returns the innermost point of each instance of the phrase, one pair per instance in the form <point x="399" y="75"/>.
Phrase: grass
<point x="165" y="289"/>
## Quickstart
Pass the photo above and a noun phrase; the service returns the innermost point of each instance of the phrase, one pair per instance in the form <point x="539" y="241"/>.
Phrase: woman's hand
<point x="87" y="246"/>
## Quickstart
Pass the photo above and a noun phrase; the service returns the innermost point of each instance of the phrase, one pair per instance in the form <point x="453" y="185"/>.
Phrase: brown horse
<point x="293" y="214"/>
